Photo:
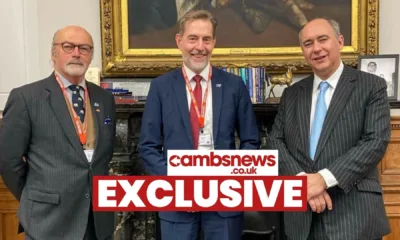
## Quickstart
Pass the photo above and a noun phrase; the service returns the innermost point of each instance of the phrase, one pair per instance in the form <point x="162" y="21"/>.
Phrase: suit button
<point x="87" y="195"/>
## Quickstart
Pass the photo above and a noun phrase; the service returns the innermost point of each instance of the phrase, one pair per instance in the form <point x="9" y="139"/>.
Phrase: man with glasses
<point x="57" y="134"/>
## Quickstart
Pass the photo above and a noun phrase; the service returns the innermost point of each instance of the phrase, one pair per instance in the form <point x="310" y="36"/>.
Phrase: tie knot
<point x="197" y="78"/>
<point x="323" y="86"/>
<point x="75" y="87"/>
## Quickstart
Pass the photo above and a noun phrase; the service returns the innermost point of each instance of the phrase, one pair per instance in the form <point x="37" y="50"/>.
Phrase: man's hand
<point x="320" y="202"/>
<point x="316" y="185"/>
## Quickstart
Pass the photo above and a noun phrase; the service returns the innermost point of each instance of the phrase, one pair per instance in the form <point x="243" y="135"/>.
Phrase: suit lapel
<point x="216" y="89"/>
<point x="97" y="112"/>
<point x="179" y="87"/>
<point x="339" y="100"/>
<point x="60" y="109"/>
<point x="304" y="99"/>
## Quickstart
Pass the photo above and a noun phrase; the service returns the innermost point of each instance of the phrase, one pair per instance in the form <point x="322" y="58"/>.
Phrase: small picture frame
<point x="385" y="66"/>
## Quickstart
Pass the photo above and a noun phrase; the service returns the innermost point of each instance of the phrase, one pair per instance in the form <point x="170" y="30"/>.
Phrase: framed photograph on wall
<point x="384" y="66"/>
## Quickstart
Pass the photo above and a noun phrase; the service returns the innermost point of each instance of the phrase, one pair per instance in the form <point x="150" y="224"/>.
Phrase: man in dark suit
<point x="334" y="126"/>
<point x="57" y="133"/>
<point x="170" y="121"/>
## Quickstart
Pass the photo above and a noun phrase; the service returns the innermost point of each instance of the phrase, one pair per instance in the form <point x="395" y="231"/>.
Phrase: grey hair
<point x="53" y="41"/>
<point x="333" y="23"/>
<point x="335" y="26"/>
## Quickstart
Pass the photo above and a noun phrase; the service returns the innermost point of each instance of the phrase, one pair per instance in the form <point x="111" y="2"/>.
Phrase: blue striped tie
<point x="319" y="117"/>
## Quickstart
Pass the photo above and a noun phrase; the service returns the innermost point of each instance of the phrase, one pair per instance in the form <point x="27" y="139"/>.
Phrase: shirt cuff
<point x="330" y="180"/>
<point x="299" y="174"/>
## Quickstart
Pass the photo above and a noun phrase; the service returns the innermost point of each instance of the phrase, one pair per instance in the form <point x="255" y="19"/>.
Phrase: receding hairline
<point x="59" y="32"/>
<point x="62" y="30"/>
<point x="332" y="23"/>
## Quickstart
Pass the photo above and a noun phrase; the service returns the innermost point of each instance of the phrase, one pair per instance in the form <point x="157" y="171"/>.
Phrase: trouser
<point x="213" y="226"/>
<point x="90" y="233"/>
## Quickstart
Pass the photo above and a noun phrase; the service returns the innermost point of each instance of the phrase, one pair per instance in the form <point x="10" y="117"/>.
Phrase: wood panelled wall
<point x="8" y="215"/>
<point x="390" y="180"/>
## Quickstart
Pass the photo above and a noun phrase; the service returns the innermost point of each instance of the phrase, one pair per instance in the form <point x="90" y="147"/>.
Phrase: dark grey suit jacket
<point x="353" y="141"/>
<point x="54" y="185"/>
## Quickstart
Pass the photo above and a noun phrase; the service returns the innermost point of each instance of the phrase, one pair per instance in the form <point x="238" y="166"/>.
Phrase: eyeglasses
<point x="70" y="47"/>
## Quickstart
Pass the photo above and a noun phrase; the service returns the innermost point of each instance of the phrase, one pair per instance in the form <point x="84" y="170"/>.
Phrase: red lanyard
<point x="78" y="124"/>
<point x="203" y="105"/>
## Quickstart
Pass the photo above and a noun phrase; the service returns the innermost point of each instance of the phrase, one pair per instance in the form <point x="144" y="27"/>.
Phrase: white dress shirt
<point x="333" y="80"/>
<point x="67" y="83"/>
<point x="208" y="118"/>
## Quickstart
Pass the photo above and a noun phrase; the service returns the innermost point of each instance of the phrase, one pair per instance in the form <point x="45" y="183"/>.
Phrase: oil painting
<point x="138" y="36"/>
<point x="241" y="23"/>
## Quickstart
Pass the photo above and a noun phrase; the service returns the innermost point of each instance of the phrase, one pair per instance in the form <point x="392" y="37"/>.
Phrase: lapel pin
<point x="96" y="104"/>
<point x="97" y="110"/>
<point x="218" y="85"/>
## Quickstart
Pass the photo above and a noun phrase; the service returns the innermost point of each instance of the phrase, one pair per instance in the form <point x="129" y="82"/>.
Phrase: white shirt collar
<point x="67" y="83"/>
<point x="332" y="80"/>
<point x="204" y="74"/>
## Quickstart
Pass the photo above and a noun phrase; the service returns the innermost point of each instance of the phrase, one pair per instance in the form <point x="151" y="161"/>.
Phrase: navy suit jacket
<point x="166" y="122"/>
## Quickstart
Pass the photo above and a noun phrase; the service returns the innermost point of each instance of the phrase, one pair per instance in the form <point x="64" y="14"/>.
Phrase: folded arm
<point x="369" y="151"/>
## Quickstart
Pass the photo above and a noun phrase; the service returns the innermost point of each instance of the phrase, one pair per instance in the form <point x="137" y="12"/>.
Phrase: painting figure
<point x="244" y="23"/>
<point x="256" y="13"/>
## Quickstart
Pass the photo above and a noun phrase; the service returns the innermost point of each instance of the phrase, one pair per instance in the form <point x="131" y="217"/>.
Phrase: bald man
<point x="57" y="134"/>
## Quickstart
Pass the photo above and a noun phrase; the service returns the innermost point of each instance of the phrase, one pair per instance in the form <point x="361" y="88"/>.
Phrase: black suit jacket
<point x="353" y="141"/>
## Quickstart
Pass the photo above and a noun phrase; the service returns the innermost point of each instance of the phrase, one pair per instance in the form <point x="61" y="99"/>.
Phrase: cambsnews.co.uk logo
<point x="200" y="180"/>
<point x="222" y="162"/>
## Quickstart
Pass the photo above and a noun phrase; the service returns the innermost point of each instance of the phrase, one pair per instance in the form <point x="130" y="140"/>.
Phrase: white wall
<point x="389" y="32"/>
<point x="34" y="22"/>
<point x="55" y="14"/>
<point x="18" y="63"/>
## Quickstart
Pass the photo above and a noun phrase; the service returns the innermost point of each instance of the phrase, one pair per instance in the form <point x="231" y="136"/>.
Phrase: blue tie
<point x="77" y="101"/>
<point x="319" y="117"/>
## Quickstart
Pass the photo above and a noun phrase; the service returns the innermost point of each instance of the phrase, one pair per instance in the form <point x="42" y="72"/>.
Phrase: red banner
<point x="199" y="193"/>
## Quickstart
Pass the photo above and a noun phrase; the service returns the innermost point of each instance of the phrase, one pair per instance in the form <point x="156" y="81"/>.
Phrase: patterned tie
<point x="77" y="101"/>
<point x="194" y="120"/>
<point x="319" y="117"/>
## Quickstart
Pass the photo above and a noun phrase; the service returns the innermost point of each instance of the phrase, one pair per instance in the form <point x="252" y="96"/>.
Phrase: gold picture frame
<point x="119" y="60"/>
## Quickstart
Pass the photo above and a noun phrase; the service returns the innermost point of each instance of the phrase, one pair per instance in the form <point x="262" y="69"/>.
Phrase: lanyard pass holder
<point x="201" y="122"/>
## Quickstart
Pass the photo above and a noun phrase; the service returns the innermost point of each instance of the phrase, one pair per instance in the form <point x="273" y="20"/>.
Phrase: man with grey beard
<point x="57" y="134"/>
<point x="197" y="106"/>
